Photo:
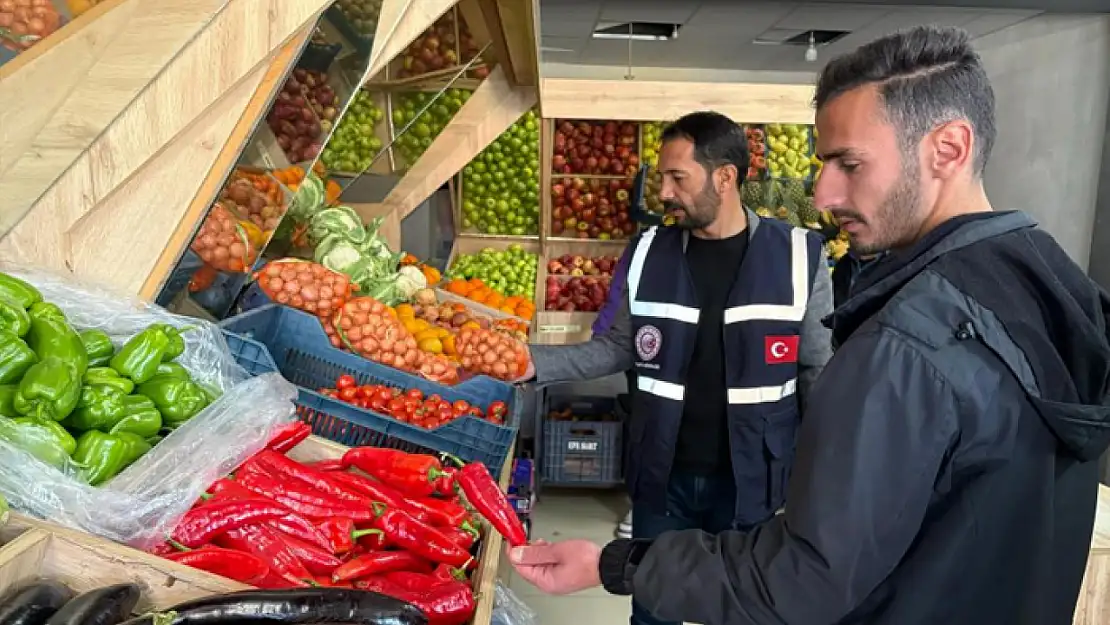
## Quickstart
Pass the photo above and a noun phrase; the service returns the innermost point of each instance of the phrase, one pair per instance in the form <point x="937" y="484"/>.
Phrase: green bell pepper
<point x="49" y="390"/>
<point x="107" y="376"/>
<point x="98" y="347"/>
<point x="16" y="357"/>
<point x="19" y="291"/>
<point x="52" y="336"/>
<point x="173" y="370"/>
<point x="136" y="447"/>
<point x="7" y="400"/>
<point x="177" y="400"/>
<point x="14" y="317"/>
<point x="140" y="356"/>
<point x="176" y="345"/>
<point x="100" y="408"/>
<point x="45" y="440"/>
<point x="101" y="456"/>
<point x="141" y="417"/>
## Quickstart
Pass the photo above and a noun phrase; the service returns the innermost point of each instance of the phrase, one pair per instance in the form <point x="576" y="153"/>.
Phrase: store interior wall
<point x="1051" y="77"/>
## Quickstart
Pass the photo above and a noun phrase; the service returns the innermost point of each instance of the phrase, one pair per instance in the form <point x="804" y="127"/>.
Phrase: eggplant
<point x="294" y="606"/>
<point x="104" y="606"/>
<point x="34" y="604"/>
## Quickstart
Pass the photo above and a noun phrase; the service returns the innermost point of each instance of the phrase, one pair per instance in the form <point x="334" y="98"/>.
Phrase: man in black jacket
<point x="947" y="459"/>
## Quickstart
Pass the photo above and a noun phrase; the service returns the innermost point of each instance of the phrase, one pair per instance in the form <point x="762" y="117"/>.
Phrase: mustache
<point x="846" y="213"/>
<point x="671" y="205"/>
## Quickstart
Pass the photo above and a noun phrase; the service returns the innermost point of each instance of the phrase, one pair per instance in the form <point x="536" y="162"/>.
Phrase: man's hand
<point x="558" y="568"/>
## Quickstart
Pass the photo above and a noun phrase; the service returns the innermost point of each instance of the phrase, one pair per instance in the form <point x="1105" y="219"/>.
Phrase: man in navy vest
<point x="721" y="321"/>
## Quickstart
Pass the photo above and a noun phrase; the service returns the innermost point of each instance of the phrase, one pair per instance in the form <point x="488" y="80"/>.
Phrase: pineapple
<point x="809" y="214"/>
<point x="751" y="193"/>
<point x="794" y="194"/>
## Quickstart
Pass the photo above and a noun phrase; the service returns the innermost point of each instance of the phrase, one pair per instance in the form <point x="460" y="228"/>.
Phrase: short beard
<point x="897" y="219"/>
<point x="707" y="205"/>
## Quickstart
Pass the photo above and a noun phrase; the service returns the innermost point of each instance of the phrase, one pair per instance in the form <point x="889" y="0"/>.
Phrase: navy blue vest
<point x="762" y="330"/>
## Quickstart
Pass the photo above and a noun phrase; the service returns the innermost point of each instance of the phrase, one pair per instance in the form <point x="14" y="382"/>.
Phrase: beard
<point x="897" y="219"/>
<point x="703" y="212"/>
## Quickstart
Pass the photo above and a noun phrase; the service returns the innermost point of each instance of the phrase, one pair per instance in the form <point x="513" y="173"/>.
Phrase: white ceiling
<point x="719" y="34"/>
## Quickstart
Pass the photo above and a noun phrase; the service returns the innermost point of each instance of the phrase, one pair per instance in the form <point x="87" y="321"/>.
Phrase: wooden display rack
<point x="33" y="549"/>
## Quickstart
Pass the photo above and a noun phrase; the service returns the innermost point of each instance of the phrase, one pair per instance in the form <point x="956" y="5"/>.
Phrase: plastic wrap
<point x="508" y="609"/>
<point x="143" y="502"/>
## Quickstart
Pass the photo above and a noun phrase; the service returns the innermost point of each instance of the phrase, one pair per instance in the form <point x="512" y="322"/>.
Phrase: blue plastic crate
<point x="586" y="451"/>
<point x="277" y="338"/>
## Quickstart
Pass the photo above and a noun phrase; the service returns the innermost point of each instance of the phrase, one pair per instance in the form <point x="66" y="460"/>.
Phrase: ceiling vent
<point x="636" y="31"/>
<point x="800" y="38"/>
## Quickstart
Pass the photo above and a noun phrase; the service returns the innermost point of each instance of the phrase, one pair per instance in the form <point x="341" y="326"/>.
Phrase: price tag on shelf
<point x="559" y="329"/>
<point x="582" y="445"/>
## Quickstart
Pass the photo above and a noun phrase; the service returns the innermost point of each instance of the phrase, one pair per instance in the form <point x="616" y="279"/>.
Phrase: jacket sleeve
<point x="604" y="354"/>
<point x="870" y="448"/>
<point x="815" y="347"/>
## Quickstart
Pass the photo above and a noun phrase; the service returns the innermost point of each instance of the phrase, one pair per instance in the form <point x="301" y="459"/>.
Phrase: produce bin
<point x="278" y="338"/>
<point x="586" y="451"/>
<point x="32" y="549"/>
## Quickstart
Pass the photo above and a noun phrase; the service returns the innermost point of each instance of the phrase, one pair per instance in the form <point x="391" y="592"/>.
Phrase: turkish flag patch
<point x="778" y="350"/>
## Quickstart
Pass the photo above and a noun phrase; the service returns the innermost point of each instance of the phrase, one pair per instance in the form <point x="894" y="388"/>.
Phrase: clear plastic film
<point x="143" y="502"/>
<point x="508" y="609"/>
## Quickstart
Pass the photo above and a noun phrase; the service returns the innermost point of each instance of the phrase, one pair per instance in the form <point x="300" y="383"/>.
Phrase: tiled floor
<point x="570" y="514"/>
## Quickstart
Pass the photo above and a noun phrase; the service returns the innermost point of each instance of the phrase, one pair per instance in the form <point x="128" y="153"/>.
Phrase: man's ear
<point x="727" y="177"/>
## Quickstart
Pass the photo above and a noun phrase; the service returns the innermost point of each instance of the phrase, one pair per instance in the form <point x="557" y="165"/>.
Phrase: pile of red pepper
<point x="378" y="519"/>
<point x="411" y="406"/>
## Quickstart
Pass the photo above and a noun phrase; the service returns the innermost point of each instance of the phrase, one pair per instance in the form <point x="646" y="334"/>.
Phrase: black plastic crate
<point x="586" y="451"/>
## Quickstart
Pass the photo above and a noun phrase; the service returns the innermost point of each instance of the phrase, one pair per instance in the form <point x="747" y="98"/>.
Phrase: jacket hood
<point x="1055" y="315"/>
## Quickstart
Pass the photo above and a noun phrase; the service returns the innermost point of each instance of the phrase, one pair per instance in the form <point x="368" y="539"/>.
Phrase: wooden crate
<point x="567" y="328"/>
<point x="37" y="549"/>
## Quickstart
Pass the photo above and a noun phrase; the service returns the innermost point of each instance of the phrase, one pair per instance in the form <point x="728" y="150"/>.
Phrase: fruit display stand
<point x="32" y="549"/>
<point x="554" y="326"/>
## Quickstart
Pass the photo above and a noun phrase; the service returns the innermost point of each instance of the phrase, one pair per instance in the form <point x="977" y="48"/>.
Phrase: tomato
<point x="365" y="391"/>
<point x="412" y="405"/>
<point x="414" y="393"/>
<point x="475" y="411"/>
<point x="396" y="406"/>
<point x="434" y="398"/>
<point x="345" y="381"/>
<point x="384" y="393"/>
<point x="460" y="407"/>
<point x="497" y="410"/>
<point x="348" y="394"/>
<point x="431" y="424"/>
<point x="363" y="403"/>
<point x="445" y="413"/>
<point x="377" y="404"/>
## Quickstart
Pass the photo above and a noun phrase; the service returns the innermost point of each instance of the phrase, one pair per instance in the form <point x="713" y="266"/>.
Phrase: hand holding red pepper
<point x="490" y="501"/>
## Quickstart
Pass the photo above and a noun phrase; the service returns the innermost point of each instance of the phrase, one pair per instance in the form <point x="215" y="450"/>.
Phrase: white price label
<point x="582" y="445"/>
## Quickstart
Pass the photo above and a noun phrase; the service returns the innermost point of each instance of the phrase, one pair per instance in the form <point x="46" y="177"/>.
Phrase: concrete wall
<point x="1051" y="77"/>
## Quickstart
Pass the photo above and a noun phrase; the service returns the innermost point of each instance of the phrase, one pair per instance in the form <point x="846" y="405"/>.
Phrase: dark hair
<point x="926" y="76"/>
<point x="717" y="140"/>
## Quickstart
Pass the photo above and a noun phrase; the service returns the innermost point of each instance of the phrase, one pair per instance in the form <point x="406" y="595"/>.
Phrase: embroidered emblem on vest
<point x="780" y="349"/>
<point x="649" y="340"/>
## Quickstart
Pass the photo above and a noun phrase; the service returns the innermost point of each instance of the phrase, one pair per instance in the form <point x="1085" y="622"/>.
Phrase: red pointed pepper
<point x="342" y="534"/>
<point x="316" y="560"/>
<point x="418" y="582"/>
<point x="445" y="484"/>
<point x="328" y="466"/>
<point x="377" y="492"/>
<point x="425" y="541"/>
<point x="412" y="474"/>
<point x="291" y="524"/>
<point x="490" y="501"/>
<point x="447" y="604"/>
<point x="303" y="499"/>
<point x="440" y="512"/>
<point x="232" y="564"/>
<point x="201" y="525"/>
<point x="283" y="468"/>
<point x="380" y="562"/>
<point x="289" y="436"/>
<point x="267" y="545"/>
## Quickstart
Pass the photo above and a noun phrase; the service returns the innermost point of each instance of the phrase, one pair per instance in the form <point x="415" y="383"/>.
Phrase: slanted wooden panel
<point x="109" y="216"/>
<point x="56" y="98"/>
<point x="392" y="37"/>
<point x="494" y="107"/>
<point x="514" y="28"/>
<point x="636" y="100"/>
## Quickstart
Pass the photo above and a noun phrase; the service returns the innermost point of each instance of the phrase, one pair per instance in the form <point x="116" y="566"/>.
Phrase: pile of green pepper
<point x="70" y="397"/>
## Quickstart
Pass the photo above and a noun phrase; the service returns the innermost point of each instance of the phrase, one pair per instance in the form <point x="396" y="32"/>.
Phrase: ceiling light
<point x="631" y="36"/>
<point x="811" y="51"/>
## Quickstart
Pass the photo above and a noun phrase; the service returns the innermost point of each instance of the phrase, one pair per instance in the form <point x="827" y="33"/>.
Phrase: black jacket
<point x="947" y="460"/>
